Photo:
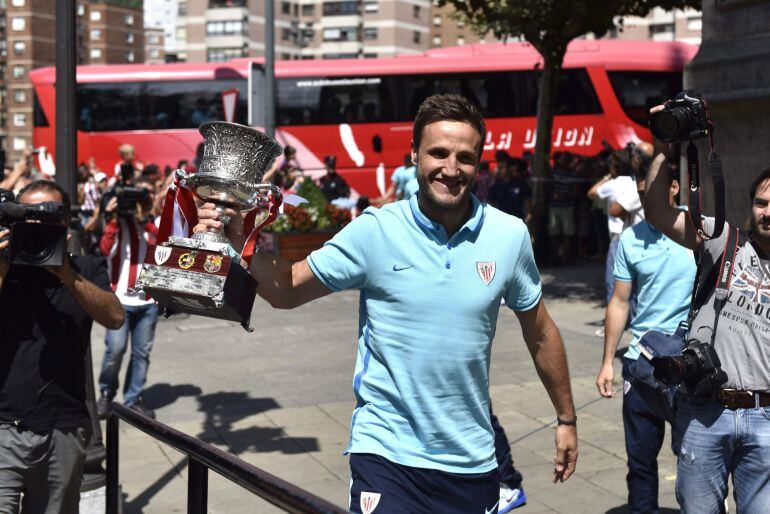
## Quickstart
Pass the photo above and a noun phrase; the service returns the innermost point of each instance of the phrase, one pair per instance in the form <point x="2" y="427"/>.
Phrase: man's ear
<point x="414" y="154"/>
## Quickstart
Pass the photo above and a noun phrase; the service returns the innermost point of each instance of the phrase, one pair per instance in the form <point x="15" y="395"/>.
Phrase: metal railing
<point x="202" y="457"/>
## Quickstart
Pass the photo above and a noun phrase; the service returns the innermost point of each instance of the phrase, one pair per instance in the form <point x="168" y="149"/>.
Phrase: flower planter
<point x="296" y="246"/>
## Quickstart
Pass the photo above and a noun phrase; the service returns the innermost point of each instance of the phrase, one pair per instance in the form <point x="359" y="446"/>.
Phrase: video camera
<point x="684" y="118"/>
<point x="38" y="237"/>
<point x="127" y="194"/>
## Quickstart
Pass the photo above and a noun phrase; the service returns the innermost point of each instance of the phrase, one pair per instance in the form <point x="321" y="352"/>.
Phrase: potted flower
<point x="305" y="228"/>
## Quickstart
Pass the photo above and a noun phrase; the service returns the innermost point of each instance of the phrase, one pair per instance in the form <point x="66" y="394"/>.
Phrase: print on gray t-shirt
<point x="743" y="333"/>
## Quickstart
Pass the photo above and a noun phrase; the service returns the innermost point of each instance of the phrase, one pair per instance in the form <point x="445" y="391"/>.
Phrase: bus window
<point x="507" y="94"/>
<point x="315" y="100"/>
<point x="155" y="105"/>
<point x="638" y="91"/>
<point x="39" y="114"/>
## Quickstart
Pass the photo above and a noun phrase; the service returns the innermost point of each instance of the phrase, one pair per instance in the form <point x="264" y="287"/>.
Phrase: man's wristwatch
<point x="569" y="422"/>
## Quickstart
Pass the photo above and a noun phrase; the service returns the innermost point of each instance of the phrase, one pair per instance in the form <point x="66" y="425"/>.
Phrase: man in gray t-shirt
<point x="728" y="433"/>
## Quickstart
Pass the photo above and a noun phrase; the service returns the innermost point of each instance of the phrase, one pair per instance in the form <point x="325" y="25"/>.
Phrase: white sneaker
<point x="510" y="499"/>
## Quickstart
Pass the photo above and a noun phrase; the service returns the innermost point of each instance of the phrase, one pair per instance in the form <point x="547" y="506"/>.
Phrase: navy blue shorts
<point x="382" y="487"/>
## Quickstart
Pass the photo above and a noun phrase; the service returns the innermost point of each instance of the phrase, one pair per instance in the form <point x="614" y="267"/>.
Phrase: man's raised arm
<point x="282" y="284"/>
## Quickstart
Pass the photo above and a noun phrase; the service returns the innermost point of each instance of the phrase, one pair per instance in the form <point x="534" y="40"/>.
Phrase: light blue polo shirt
<point x="428" y="312"/>
<point x="663" y="272"/>
<point x="400" y="177"/>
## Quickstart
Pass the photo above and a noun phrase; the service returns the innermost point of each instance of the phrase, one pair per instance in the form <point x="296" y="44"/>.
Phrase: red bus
<point x="361" y="110"/>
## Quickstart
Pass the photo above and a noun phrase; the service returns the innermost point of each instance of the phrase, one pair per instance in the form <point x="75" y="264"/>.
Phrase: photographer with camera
<point x="129" y="231"/>
<point x="662" y="272"/>
<point x="46" y="312"/>
<point x="722" y="422"/>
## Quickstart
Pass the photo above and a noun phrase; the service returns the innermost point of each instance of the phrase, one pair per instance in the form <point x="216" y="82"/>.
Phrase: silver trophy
<point x="203" y="274"/>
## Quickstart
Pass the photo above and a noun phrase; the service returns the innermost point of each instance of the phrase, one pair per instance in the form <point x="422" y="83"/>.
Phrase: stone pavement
<point x="281" y="399"/>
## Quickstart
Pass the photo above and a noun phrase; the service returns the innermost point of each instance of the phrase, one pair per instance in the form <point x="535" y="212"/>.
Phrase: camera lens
<point x="36" y="250"/>
<point x="671" y="125"/>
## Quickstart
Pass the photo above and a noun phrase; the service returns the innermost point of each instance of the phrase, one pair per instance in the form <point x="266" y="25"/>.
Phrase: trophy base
<point x="195" y="278"/>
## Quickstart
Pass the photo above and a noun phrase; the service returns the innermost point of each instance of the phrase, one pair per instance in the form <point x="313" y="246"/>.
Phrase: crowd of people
<point x="424" y="437"/>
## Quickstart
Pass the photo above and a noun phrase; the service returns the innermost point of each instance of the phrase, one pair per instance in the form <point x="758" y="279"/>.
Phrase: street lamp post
<point x="270" y="67"/>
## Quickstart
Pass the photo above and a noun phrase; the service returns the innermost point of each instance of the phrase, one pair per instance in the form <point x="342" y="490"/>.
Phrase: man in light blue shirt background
<point x="663" y="273"/>
<point x="400" y="178"/>
<point x="431" y="273"/>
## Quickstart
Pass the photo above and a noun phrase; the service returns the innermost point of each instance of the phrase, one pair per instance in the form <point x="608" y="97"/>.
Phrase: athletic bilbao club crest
<point x="369" y="502"/>
<point x="213" y="263"/>
<point x="486" y="271"/>
<point x="162" y="253"/>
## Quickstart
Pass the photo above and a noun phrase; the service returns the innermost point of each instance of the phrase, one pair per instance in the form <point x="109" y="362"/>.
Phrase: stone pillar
<point x="732" y="71"/>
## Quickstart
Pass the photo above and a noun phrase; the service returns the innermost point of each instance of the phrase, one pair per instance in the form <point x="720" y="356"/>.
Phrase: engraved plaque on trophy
<point x="202" y="274"/>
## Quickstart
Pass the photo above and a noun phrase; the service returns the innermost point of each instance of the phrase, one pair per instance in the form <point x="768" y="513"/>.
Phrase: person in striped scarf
<point x="124" y="243"/>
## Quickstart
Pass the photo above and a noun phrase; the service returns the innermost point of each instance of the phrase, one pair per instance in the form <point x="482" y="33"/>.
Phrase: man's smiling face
<point x="447" y="160"/>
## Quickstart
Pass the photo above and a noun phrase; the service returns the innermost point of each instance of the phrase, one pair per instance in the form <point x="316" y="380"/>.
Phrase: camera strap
<point x="725" y="277"/>
<point x="718" y="181"/>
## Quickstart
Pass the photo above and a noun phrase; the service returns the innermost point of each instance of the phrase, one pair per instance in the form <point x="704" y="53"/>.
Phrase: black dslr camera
<point x="699" y="368"/>
<point x="38" y="237"/>
<point x="685" y="118"/>
<point x="127" y="194"/>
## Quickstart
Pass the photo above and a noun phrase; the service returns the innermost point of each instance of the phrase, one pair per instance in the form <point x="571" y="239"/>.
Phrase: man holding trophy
<point x="432" y="271"/>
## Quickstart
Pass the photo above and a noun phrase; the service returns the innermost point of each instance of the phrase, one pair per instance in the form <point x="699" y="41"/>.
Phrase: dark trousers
<point x="644" y="433"/>
<point x="506" y="471"/>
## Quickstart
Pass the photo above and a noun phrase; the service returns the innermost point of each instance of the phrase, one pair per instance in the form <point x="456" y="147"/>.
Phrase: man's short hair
<point x="51" y="187"/>
<point x="448" y="108"/>
<point x="762" y="177"/>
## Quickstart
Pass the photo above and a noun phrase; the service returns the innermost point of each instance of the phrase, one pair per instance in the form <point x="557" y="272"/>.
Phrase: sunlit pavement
<point x="280" y="398"/>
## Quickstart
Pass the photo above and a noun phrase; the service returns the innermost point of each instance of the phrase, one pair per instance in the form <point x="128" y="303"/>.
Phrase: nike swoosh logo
<point x="493" y="509"/>
<point x="396" y="267"/>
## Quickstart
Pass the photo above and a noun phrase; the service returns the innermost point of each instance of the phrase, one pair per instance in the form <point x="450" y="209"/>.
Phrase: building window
<point x="308" y="10"/>
<point x="19" y="95"/>
<point x="96" y="53"/>
<point x="437" y="20"/>
<point x="96" y="15"/>
<point x="19" y="71"/>
<point x="285" y="33"/>
<point x="154" y="53"/>
<point x="436" y="40"/>
<point x="340" y="8"/>
<point x="19" y="143"/>
<point x="371" y="6"/>
<point x="224" y="54"/>
<point x="182" y="9"/>
<point x="460" y="40"/>
<point x="226" y="28"/>
<point x="370" y="33"/>
<point x="96" y="34"/>
<point x="18" y="3"/>
<point x="19" y="119"/>
<point x="416" y="11"/>
<point x="130" y="56"/>
<point x="18" y="24"/>
<point x="155" y="39"/>
<point x="370" y="56"/>
<point x="81" y="9"/>
<point x="19" y="47"/>
<point x="416" y="37"/>
<point x="285" y="8"/>
<point x="129" y="39"/>
<point x="341" y="34"/>
<point x="129" y="19"/>
<point x="296" y="10"/>
<point x="181" y="34"/>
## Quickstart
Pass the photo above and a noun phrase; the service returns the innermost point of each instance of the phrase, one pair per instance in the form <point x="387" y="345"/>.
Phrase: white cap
<point x="99" y="176"/>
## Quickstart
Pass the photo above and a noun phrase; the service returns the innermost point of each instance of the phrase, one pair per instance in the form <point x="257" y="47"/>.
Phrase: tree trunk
<point x="546" y="104"/>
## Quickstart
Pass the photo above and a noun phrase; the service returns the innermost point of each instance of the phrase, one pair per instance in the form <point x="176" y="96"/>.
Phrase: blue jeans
<point x="712" y="442"/>
<point x="140" y="323"/>
<point x="644" y="432"/>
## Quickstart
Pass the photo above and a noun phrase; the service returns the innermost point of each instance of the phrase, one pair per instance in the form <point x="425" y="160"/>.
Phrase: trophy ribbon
<point x="275" y="200"/>
<point x="179" y="198"/>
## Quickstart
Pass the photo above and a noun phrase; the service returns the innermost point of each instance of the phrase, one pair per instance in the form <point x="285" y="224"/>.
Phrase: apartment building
<point x="154" y="45"/>
<point x="107" y="32"/>
<point x="217" y="30"/>
<point x="163" y="14"/>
